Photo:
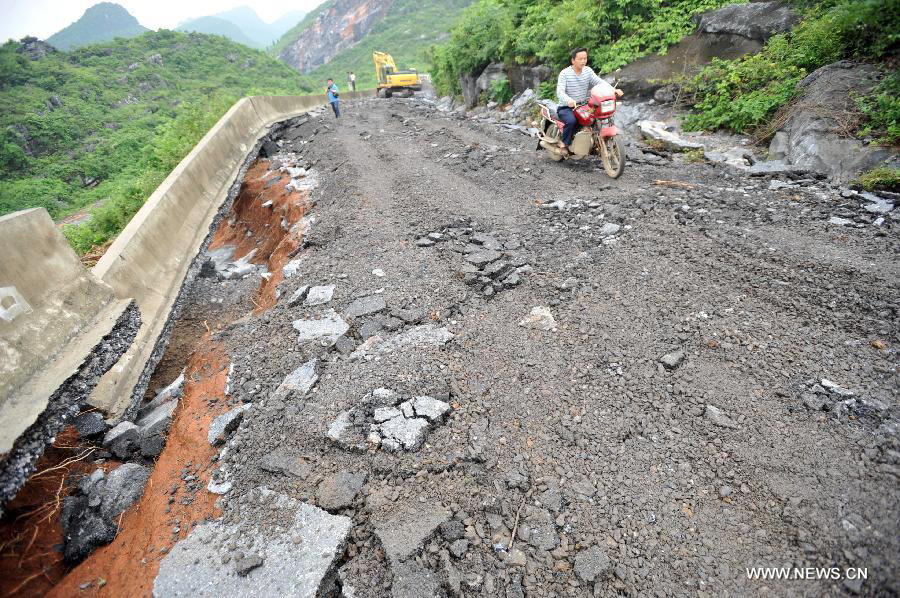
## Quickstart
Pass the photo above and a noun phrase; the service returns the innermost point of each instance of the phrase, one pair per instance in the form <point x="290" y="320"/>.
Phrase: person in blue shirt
<point x="332" y="91"/>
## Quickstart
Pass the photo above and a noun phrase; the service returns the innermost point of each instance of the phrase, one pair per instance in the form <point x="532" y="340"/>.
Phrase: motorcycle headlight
<point x="608" y="105"/>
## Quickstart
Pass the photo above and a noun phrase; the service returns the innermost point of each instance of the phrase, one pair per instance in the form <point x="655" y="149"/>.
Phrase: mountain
<point x="101" y="22"/>
<point x="107" y="123"/>
<point x="244" y="26"/>
<point x="340" y="36"/>
<point x="219" y="26"/>
<point x="282" y="25"/>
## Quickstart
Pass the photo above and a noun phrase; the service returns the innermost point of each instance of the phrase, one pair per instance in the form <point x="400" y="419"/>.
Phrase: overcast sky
<point x="43" y="18"/>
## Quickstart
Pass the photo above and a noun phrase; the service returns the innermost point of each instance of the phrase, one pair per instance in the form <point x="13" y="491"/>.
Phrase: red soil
<point x="274" y="246"/>
<point x="128" y="566"/>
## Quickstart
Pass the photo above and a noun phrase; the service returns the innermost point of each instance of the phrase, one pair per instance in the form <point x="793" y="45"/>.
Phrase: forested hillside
<point x="106" y="123"/>
<point x="408" y="29"/>
<point x="99" y="23"/>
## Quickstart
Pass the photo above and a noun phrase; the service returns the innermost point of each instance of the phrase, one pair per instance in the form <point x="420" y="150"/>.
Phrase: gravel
<point x="610" y="460"/>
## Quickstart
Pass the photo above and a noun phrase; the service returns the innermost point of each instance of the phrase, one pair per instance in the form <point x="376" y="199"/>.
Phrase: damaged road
<point x="484" y="374"/>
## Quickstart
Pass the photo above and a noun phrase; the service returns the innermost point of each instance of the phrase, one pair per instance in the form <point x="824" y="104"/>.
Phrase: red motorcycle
<point x="596" y="134"/>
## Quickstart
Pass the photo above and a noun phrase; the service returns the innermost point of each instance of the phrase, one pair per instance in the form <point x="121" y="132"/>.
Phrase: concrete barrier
<point x="151" y="259"/>
<point x="54" y="315"/>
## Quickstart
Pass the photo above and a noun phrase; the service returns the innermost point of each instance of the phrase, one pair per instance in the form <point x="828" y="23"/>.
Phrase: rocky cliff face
<point x="339" y="26"/>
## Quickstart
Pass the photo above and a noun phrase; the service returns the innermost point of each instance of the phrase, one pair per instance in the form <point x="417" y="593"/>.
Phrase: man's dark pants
<point x="567" y="115"/>
<point x="337" y="111"/>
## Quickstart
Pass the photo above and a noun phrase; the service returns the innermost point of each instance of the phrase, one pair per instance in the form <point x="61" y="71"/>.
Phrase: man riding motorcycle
<point x="573" y="88"/>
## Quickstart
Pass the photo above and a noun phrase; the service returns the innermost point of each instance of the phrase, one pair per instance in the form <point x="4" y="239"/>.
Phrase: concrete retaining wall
<point x="53" y="313"/>
<point x="151" y="258"/>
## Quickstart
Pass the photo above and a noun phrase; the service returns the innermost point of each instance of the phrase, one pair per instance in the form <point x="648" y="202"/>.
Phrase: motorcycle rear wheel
<point x="613" y="156"/>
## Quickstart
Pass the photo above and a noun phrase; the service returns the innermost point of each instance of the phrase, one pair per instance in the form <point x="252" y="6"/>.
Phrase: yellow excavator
<point x="391" y="80"/>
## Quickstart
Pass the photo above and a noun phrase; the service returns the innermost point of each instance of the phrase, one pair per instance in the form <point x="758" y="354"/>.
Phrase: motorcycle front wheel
<point x="613" y="156"/>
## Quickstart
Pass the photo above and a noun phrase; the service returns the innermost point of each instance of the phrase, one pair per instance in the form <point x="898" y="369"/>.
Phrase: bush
<point x="501" y="91"/>
<point x="881" y="110"/>
<point x="884" y="178"/>
<point x="743" y="94"/>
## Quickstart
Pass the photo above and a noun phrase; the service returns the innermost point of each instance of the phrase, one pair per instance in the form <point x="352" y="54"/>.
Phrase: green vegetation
<point x="501" y="91"/>
<point x="407" y="32"/>
<point x="881" y="111"/>
<point x="544" y="31"/>
<point x="881" y="178"/>
<point x="104" y="125"/>
<point x="99" y="23"/>
<point x="743" y="94"/>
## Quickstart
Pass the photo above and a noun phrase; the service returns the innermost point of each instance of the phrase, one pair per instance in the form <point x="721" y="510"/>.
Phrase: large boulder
<point x="727" y="33"/>
<point x="468" y="83"/>
<point x="813" y="136"/>
<point x="496" y="71"/>
<point x="523" y="77"/>
<point x="754" y="20"/>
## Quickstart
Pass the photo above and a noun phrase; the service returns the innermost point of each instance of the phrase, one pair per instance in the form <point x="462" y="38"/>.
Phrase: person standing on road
<point x="573" y="88"/>
<point x="332" y="91"/>
<point x="351" y="80"/>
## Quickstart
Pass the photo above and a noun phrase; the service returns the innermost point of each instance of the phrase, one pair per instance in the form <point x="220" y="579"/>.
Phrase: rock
<point x="319" y="295"/>
<point x="515" y="558"/>
<point x="540" y="318"/>
<point x="123" y="486"/>
<point x="83" y="529"/>
<point x="404" y="433"/>
<point x="609" y="229"/>
<point x="779" y="146"/>
<point x="540" y="530"/>
<point x="429" y="408"/>
<point x="338" y="491"/>
<point x="157" y="422"/>
<point x="282" y="462"/>
<point x="755" y="20"/>
<point x="225" y="424"/>
<point x="337" y="431"/>
<point x="452" y="530"/>
<point x="412" y="580"/>
<point x="459" y="548"/>
<point x="815" y="140"/>
<point x="592" y="564"/>
<point x="840" y="221"/>
<point x="194" y="566"/>
<point x="300" y="381"/>
<point x="247" y="564"/>
<point x="218" y="487"/>
<point x="365" y="306"/>
<point x="737" y="157"/>
<point x="775" y="167"/>
<point x="122" y="440"/>
<point x="655" y="130"/>
<point x="152" y="446"/>
<point x="382" y="414"/>
<point x="90" y="424"/>
<point x="298" y="296"/>
<point x="418" y="336"/>
<point x="672" y="360"/>
<point x="718" y="417"/>
<point x="171" y="392"/>
<point x="410" y="316"/>
<point x="482" y="258"/>
<point x="496" y="71"/>
<point x="291" y="268"/>
<point x="403" y="535"/>
<point x="327" y="329"/>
